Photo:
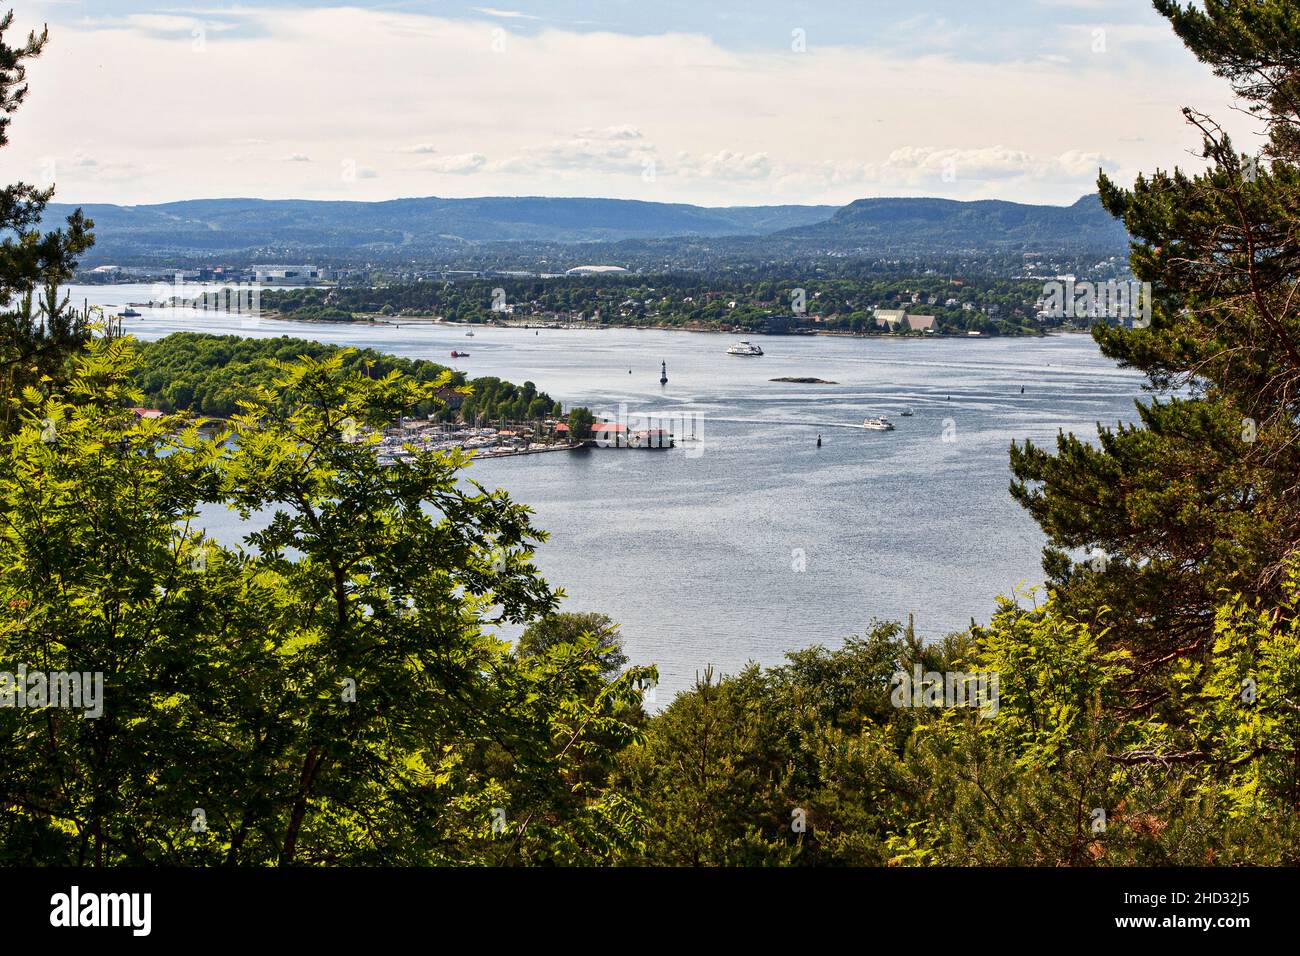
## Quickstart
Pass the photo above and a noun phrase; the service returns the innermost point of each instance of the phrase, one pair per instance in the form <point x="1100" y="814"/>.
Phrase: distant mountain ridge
<point x="216" y="227"/>
<point x="948" y="225"/>
<point x="415" y="230"/>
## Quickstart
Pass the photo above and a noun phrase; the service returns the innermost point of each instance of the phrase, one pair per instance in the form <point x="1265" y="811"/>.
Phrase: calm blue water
<point x="756" y="542"/>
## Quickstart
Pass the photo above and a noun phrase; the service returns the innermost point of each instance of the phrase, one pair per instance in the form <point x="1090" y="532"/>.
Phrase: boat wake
<point x="803" y="423"/>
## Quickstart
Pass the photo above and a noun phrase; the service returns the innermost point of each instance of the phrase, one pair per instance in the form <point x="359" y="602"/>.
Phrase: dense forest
<point x="333" y="690"/>
<point x="209" y="374"/>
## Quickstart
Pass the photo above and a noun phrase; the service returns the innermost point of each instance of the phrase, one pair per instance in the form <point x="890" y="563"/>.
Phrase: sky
<point x="712" y="102"/>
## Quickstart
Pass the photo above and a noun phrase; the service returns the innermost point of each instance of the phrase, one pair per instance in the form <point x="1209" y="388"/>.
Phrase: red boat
<point x="455" y="354"/>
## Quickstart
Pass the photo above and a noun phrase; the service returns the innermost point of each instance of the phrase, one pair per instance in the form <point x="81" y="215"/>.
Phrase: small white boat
<point x="906" y="413"/>
<point x="878" y="424"/>
<point x="744" y="348"/>
<point x="470" y="333"/>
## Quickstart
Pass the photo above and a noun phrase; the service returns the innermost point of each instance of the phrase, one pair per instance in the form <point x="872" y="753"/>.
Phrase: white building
<point x="288" y="275"/>
<point x="593" y="270"/>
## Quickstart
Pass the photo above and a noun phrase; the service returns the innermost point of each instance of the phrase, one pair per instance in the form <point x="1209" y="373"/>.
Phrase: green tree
<point x="38" y="329"/>
<point x="1200" y="495"/>
<point x="331" y="692"/>
<point x="799" y="764"/>
<point x="1066" y="774"/>
<point x="570" y="628"/>
<point x="580" y="422"/>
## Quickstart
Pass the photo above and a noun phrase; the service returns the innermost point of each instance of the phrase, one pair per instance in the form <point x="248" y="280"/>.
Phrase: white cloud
<point x="459" y="165"/>
<point x="505" y="14"/>
<point x="169" y="25"/>
<point x="99" y="166"/>
<point x="586" y="113"/>
<point x="612" y="149"/>
<point x="725" y="164"/>
<point x="913" y="165"/>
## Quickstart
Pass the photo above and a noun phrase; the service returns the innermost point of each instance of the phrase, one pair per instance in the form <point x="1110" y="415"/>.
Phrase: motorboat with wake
<point x="878" y="424"/>
<point x="745" y="348"/>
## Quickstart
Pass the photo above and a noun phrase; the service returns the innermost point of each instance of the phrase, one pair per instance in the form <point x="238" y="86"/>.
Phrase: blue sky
<point x="980" y="30"/>
<point x="709" y="102"/>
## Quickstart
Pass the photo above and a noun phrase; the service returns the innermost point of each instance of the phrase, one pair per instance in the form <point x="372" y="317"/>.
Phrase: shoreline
<point x="519" y="454"/>
<point x="660" y="327"/>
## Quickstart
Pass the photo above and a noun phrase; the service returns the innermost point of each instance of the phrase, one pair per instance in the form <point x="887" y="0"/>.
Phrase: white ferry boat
<point x="878" y="424"/>
<point x="744" y="348"/>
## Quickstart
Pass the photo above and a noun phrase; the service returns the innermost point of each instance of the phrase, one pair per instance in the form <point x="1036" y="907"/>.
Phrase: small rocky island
<point x="802" y="381"/>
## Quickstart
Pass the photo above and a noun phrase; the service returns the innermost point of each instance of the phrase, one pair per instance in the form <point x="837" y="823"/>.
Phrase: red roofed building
<point x="617" y="435"/>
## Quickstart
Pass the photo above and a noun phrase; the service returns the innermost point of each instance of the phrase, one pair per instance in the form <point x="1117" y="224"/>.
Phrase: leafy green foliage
<point x="731" y="770"/>
<point x="1061" y="773"/>
<point x="38" y="330"/>
<point x="1200" y="497"/>
<point x="570" y="628"/>
<point x="334" y="692"/>
<point x="210" y="374"/>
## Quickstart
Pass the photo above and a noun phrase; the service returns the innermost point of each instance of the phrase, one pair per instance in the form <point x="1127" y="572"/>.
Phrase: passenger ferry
<point x="744" y="348"/>
<point x="878" y="424"/>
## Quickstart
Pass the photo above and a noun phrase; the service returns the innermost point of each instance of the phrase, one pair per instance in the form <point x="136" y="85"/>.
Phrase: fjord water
<point x="755" y="541"/>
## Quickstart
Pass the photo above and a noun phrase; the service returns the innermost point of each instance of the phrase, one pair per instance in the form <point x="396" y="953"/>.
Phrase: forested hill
<point x="536" y="230"/>
<point x="208" y="374"/>
<point x="915" y="226"/>
<point x="265" y="229"/>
